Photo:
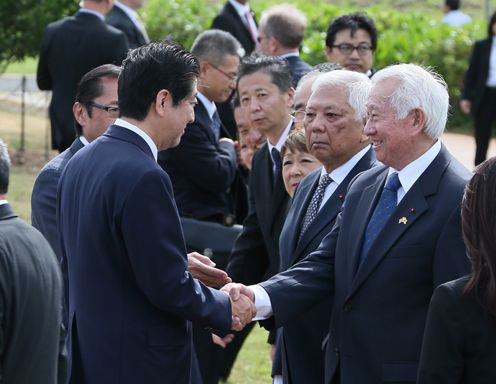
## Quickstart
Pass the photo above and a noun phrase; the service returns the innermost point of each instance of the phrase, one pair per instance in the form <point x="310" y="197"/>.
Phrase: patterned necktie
<point x="385" y="207"/>
<point x="276" y="159"/>
<point x="313" y="207"/>
<point x="216" y="124"/>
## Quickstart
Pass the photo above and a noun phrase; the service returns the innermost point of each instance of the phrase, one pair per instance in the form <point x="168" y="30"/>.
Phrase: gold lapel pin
<point x="403" y="220"/>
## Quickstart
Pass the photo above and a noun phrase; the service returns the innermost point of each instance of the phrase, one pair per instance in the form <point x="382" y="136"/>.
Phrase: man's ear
<point x="291" y="94"/>
<point x="80" y="113"/>
<point x="418" y="119"/>
<point x="328" y="54"/>
<point x="163" y="101"/>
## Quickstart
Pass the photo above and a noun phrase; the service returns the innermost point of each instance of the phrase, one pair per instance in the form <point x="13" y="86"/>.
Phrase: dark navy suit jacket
<point x="44" y="196"/>
<point x="380" y="308"/>
<point x="130" y="296"/>
<point x="120" y="20"/>
<point x="300" y="340"/>
<point x="298" y="68"/>
<point x="202" y="169"/>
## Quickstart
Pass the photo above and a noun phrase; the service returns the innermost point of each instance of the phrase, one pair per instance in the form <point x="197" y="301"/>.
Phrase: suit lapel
<point x="121" y="133"/>
<point x="411" y="208"/>
<point x="230" y="9"/>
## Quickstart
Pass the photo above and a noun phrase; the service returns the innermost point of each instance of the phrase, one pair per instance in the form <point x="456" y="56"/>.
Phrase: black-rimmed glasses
<point x="112" y="110"/>
<point x="231" y="77"/>
<point x="347" y="49"/>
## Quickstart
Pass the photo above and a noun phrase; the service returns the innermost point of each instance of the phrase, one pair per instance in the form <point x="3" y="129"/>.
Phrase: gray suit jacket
<point x="31" y="336"/>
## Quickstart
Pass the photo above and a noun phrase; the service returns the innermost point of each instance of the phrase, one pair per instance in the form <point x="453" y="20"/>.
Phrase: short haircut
<point x="285" y="23"/>
<point x="4" y="168"/>
<point x="452" y="4"/>
<point x="295" y="142"/>
<point x="318" y="70"/>
<point x="151" y="68"/>
<point x="357" y="85"/>
<point x="353" y="22"/>
<point x="418" y="87"/>
<point x="276" y="68"/>
<point x="492" y="21"/>
<point x="90" y="87"/>
<point x="214" y="45"/>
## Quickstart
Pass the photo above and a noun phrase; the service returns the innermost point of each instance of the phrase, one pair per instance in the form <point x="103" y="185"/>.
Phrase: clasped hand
<point x="242" y="304"/>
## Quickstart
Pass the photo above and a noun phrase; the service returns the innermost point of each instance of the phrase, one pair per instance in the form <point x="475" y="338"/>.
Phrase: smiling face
<point x="269" y="108"/>
<point x="353" y="61"/>
<point x="332" y="132"/>
<point x="295" y="166"/>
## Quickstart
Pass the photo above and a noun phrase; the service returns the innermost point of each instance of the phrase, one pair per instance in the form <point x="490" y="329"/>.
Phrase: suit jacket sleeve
<point x="118" y="47"/>
<point x="154" y="242"/>
<point x="441" y="361"/>
<point x="470" y="81"/>
<point x="43" y="78"/>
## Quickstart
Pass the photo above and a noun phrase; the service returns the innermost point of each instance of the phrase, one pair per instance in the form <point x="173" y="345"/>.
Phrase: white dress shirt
<point x="124" y="124"/>
<point x="456" y="18"/>
<point x="491" y="76"/>
<point x="280" y="142"/>
<point x="2" y="202"/>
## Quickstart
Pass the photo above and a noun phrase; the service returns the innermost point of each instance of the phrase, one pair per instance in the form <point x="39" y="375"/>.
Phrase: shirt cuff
<point x="262" y="303"/>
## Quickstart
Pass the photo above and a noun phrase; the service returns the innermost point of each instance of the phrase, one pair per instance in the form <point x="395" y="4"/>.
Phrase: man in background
<point x="30" y="298"/>
<point x="71" y="47"/>
<point x="351" y="42"/>
<point x="124" y="17"/>
<point x="453" y="16"/>
<point x="282" y="29"/>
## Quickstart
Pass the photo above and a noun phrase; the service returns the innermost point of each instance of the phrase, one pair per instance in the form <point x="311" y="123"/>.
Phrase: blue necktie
<point x="313" y="207"/>
<point x="276" y="159"/>
<point x="216" y="124"/>
<point x="385" y="207"/>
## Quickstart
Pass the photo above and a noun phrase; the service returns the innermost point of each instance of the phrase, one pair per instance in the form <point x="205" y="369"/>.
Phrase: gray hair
<point x="316" y="71"/>
<point x="418" y="87"/>
<point x="214" y="45"/>
<point x="357" y="84"/>
<point x="286" y="23"/>
<point x="4" y="168"/>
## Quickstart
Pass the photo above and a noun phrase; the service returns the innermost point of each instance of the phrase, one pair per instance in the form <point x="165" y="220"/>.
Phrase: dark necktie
<point x="216" y="124"/>
<point x="313" y="207"/>
<point x="385" y="207"/>
<point x="276" y="158"/>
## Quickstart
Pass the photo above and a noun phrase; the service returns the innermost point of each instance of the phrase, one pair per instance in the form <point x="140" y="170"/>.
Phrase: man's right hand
<point x="465" y="106"/>
<point x="242" y="304"/>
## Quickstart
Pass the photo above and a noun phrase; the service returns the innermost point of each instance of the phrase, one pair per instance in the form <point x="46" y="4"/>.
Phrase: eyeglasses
<point x="298" y="115"/>
<point x="112" y="110"/>
<point x="347" y="49"/>
<point x="231" y="77"/>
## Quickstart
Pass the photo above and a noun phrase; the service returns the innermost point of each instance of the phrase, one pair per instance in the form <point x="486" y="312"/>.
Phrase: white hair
<point x="418" y="87"/>
<point x="357" y="85"/>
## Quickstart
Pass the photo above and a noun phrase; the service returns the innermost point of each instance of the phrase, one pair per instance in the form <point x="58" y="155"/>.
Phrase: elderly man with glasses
<point x="351" y="42"/>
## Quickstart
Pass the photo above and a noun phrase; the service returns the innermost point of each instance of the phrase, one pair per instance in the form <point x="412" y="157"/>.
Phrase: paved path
<point x="463" y="148"/>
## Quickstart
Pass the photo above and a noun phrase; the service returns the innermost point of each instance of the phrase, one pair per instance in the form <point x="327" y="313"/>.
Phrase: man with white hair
<point x="397" y="237"/>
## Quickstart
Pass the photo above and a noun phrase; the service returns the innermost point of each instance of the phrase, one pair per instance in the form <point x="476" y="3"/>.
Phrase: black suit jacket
<point x="298" y="68"/>
<point x="44" y="196"/>
<point x="120" y="20"/>
<point x="201" y="169"/>
<point x="299" y="343"/>
<point x="30" y="305"/>
<point x="70" y="48"/>
<point x="229" y="20"/>
<point x="459" y="340"/>
<point x="380" y="307"/>
<point x="256" y="252"/>
<point x="477" y="73"/>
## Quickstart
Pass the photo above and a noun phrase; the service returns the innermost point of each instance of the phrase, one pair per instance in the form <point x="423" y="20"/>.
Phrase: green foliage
<point x="22" y="23"/>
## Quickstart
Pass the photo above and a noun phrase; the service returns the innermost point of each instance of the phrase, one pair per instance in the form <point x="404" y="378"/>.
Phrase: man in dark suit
<point x="479" y="90"/>
<point x="398" y="237"/>
<point x="130" y="296"/>
<point x="70" y="48"/>
<point x="282" y="29"/>
<point x="351" y="42"/>
<point x="124" y="17"/>
<point x="94" y="110"/>
<point x="237" y="18"/>
<point x="340" y="145"/>
<point x="31" y="298"/>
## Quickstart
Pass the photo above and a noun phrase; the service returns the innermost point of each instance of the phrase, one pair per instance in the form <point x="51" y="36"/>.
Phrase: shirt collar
<point x="141" y="133"/>
<point x="282" y="139"/>
<point x="3" y="202"/>
<point x="410" y="174"/>
<point x="133" y="15"/>
<point x="83" y="140"/>
<point x="289" y="54"/>
<point x="339" y="174"/>
<point x="240" y="8"/>
<point x="91" y="12"/>
<point x="209" y="105"/>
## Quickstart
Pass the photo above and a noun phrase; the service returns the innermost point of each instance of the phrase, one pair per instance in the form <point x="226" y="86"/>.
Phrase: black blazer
<point x="298" y="68"/>
<point x="120" y="20"/>
<point x="70" y="48"/>
<point x="202" y="169"/>
<point x="229" y="20"/>
<point x="379" y="308"/>
<point x="31" y="290"/>
<point x="299" y="342"/>
<point x="477" y="73"/>
<point x="459" y="340"/>
<point x="256" y="252"/>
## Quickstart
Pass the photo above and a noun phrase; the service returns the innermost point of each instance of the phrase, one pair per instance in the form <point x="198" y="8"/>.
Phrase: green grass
<point x="25" y="67"/>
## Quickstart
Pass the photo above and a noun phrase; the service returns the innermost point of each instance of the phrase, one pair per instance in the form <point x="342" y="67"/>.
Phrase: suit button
<point x="347" y="308"/>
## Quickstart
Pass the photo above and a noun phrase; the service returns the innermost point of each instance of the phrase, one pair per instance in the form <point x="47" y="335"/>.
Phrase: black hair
<point x="353" y="22"/>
